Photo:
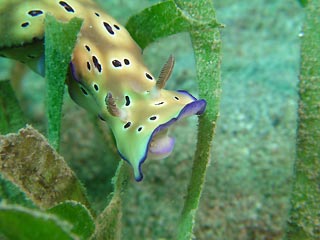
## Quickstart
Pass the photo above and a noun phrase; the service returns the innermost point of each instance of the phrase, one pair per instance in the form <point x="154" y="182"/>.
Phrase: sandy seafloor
<point x="248" y="184"/>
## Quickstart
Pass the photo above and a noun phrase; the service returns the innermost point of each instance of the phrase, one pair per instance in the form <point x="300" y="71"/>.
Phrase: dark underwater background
<point x="249" y="179"/>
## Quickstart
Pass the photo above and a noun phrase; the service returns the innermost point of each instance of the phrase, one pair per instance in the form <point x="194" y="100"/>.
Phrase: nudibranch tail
<point x="106" y="76"/>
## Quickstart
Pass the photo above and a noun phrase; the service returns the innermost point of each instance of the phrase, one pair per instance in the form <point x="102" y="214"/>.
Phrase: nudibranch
<point x="106" y="76"/>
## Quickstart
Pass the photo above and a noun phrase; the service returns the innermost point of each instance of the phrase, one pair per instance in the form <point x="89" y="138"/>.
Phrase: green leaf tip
<point x="76" y="214"/>
<point x="22" y="223"/>
<point x="303" y="3"/>
<point x="60" y="39"/>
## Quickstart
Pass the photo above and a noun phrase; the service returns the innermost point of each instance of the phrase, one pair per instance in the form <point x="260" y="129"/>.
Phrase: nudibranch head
<point x="143" y="133"/>
<point x="138" y="115"/>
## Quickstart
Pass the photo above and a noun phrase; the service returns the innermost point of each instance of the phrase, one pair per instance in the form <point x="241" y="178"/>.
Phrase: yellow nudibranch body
<point x="106" y="76"/>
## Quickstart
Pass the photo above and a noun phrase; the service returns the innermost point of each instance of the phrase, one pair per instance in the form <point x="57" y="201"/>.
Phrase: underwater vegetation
<point x="40" y="172"/>
<point x="304" y="221"/>
<point x="41" y="196"/>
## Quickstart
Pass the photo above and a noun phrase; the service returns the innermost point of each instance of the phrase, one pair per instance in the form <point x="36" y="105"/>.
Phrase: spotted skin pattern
<point x="106" y="75"/>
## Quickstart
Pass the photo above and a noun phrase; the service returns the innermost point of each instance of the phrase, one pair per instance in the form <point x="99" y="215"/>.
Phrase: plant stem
<point x="209" y="88"/>
<point x="207" y="45"/>
<point x="304" y="221"/>
<point x="108" y="223"/>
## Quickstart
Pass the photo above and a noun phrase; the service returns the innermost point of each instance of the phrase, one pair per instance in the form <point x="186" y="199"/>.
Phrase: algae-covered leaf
<point x="197" y="18"/>
<point x="11" y="116"/>
<point x="24" y="224"/>
<point x="28" y="160"/>
<point x="60" y="39"/>
<point x="78" y="215"/>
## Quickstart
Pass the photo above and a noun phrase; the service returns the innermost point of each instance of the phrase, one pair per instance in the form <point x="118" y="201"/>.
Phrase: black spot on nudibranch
<point x="116" y="63"/>
<point x="140" y="129"/>
<point x="96" y="87"/>
<point x="126" y="61"/>
<point x="176" y="98"/>
<point x="96" y="63"/>
<point x="88" y="48"/>
<point x="66" y="6"/>
<point x="127" y="125"/>
<point x="149" y="76"/>
<point x="108" y="27"/>
<point x="84" y="91"/>
<point x="101" y="118"/>
<point x="153" y="118"/>
<point x="88" y="66"/>
<point x="36" y="39"/>
<point x="25" y="24"/>
<point x="127" y="101"/>
<point x="116" y="27"/>
<point x="34" y="13"/>
<point x="97" y="14"/>
<point x="158" y="104"/>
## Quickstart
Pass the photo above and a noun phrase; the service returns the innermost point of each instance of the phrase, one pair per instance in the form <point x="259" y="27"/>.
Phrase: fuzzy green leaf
<point x="60" y="39"/>
<point x="12" y="194"/>
<point x="197" y="18"/>
<point x="207" y="50"/>
<point x="78" y="215"/>
<point x="11" y="116"/>
<point x="162" y="20"/>
<point x="304" y="222"/>
<point x="23" y="224"/>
